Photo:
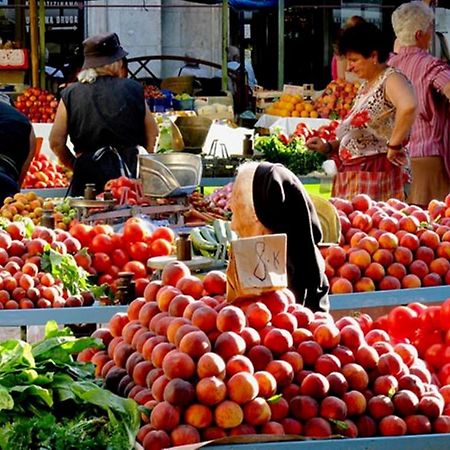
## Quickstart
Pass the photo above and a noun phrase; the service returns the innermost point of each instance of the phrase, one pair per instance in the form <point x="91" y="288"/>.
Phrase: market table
<point x="419" y="442"/>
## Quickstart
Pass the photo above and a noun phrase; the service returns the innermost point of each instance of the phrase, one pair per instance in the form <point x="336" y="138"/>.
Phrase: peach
<point x="117" y="323"/>
<point x="367" y="357"/>
<point x="113" y="344"/>
<point x="165" y="296"/>
<point x="301" y="335"/>
<point x="179" y="392"/>
<point x="383" y="257"/>
<point x="336" y="256"/>
<point x="190" y="285"/>
<point x="285" y="321"/>
<point x="350" y="271"/>
<point x="211" y="433"/>
<point x="156" y="439"/>
<point x="411" y="281"/>
<point x="366" y="426"/>
<point x="360" y="258"/>
<point x="388" y="241"/>
<point x="258" y="315"/>
<point x="429" y="239"/>
<point x="365" y="284"/>
<point x="409" y="223"/>
<point x="257" y="412"/>
<point x="326" y="364"/>
<point x="134" y="307"/>
<point x="385" y="385"/>
<point x="361" y="202"/>
<point x="164" y="417"/>
<point x="425" y="254"/>
<point x="405" y="403"/>
<point x="182" y="331"/>
<point x="397" y="270"/>
<point x="352" y="337"/>
<point x="151" y="290"/>
<point x="147" y="312"/>
<point x="282" y="372"/>
<point x="195" y="344"/>
<point x="239" y="363"/>
<point x="266" y="382"/>
<point x="231" y="318"/>
<point x="228" y="414"/>
<point x="159" y="352"/>
<point x="443" y="250"/>
<point x="327" y="336"/>
<point x="418" y="424"/>
<point x="211" y="365"/>
<point x="229" y="344"/>
<point x="158" y="387"/>
<point x="303" y="407"/>
<point x="204" y="318"/>
<point x="251" y="337"/>
<point x="432" y="279"/>
<point x="260" y="356"/>
<point x="173" y="327"/>
<point x="403" y="255"/>
<point x="242" y="430"/>
<point x="389" y="283"/>
<point x="276" y="301"/>
<point x="140" y="372"/>
<point x="279" y="408"/>
<point x="442" y="424"/>
<point x="368" y="244"/>
<point x="315" y="385"/>
<point x="392" y="426"/>
<point x="291" y="426"/>
<point x="310" y="352"/>
<point x="440" y="266"/>
<point x="343" y="353"/>
<point x="291" y="390"/>
<point x="380" y="406"/>
<point x="361" y="221"/>
<point x="333" y="408"/>
<point x="173" y="272"/>
<point x="431" y="406"/>
<point x="215" y="282"/>
<point x="184" y="434"/>
<point x="178" y="304"/>
<point x="144" y="396"/>
<point x="242" y="387"/>
<point x="211" y="391"/>
<point x="354" y="236"/>
<point x="178" y="365"/>
<point x="150" y="344"/>
<point x="338" y="383"/>
<point x="356" y="403"/>
<point x="198" y="416"/>
<point x="121" y="354"/>
<point x="189" y="311"/>
<point x="317" y="427"/>
<point x="342" y="286"/>
<point x="153" y="375"/>
<point x="294" y="359"/>
<point x="278" y="340"/>
<point x="389" y="224"/>
<point x="356" y="376"/>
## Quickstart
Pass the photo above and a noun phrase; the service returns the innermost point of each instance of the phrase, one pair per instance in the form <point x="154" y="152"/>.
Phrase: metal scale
<point x="167" y="180"/>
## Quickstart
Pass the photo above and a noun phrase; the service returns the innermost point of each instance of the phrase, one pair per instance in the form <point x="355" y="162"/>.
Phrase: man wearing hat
<point x="268" y="198"/>
<point x="106" y="117"/>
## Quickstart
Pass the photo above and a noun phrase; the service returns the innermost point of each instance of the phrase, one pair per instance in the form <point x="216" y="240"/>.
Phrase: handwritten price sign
<point x="257" y="265"/>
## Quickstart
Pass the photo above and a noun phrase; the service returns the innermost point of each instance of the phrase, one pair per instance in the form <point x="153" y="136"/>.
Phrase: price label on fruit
<point x="257" y="265"/>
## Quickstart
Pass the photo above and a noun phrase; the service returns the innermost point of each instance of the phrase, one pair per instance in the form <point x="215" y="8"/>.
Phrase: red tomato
<point x="101" y="243"/>
<point x="164" y="233"/>
<point x="139" y="251"/>
<point x="113" y="271"/>
<point x="134" y="230"/>
<point x="429" y="320"/>
<point x="381" y="323"/>
<point x="424" y="340"/>
<point x="160" y="247"/>
<point x="84" y="233"/>
<point x="137" y="268"/>
<point x="104" y="229"/>
<point x="402" y="322"/>
<point x="101" y="262"/>
<point x="444" y="317"/>
<point x="106" y="278"/>
<point x="418" y="307"/>
<point x="117" y="240"/>
<point x="434" y="355"/>
<point x="140" y="285"/>
<point x="119" y="257"/>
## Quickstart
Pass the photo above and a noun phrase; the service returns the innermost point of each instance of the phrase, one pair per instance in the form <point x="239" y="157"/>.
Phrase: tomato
<point x="101" y="243"/>
<point x="444" y="317"/>
<point x="444" y="374"/>
<point x="101" y="262"/>
<point x="103" y="229"/>
<point x="402" y="322"/>
<point x="83" y="259"/>
<point x="434" y="355"/>
<point x="140" y="285"/>
<point x="113" y="271"/>
<point x="139" y="251"/>
<point x="418" y="307"/>
<point x="84" y="233"/>
<point x="119" y="257"/>
<point x="164" y="233"/>
<point x="137" y="268"/>
<point x="117" y="240"/>
<point x="160" y="247"/>
<point x="134" y="230"/>
<point x="429" y="320"/>
<point x="425" y="340"/>
<point x="105" y="279"/>
<point x="381" y="323"/>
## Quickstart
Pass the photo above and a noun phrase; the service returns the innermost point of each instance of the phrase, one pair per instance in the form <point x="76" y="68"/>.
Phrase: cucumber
<point x="200" y="242"/>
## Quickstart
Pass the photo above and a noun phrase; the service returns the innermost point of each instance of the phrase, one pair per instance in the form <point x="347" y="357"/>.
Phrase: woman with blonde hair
<point x="106" y="117"/>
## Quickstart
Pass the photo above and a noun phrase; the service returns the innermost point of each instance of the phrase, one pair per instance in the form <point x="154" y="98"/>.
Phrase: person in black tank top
<point x="17" y="149"/>
<point x="106" y="117"/>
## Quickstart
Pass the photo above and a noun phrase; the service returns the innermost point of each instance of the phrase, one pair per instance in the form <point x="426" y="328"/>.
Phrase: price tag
<point x="257" y="265"/>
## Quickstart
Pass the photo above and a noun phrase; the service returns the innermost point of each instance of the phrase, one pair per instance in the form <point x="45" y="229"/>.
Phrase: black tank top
<point x="109" y="112"/>
<point x="15" y="131"/>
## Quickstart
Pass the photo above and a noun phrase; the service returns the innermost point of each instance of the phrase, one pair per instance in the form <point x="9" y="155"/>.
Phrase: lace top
<point x="368" y="127"/>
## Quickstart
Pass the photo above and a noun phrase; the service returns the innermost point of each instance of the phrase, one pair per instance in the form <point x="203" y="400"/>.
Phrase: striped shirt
<point x="430" y="135"/>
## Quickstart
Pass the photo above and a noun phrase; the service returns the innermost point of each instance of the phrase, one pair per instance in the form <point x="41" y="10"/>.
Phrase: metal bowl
<point x="170" y="174"/>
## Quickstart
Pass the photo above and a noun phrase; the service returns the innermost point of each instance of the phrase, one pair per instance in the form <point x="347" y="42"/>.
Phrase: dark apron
<point x="8" y="178"/>
<point x="101" y="166"/>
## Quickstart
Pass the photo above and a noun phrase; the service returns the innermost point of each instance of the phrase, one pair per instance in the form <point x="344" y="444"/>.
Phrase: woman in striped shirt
<point x="429" y="145"/>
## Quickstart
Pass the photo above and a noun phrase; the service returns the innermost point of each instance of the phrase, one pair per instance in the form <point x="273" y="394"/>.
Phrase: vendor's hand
<point x="317" y="144"/>
<point x="397" y="157"/>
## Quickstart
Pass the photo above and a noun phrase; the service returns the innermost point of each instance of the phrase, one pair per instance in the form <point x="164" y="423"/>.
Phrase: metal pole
<point x="34" y="44"/>
<point x="225" y="43"/>
<point x="42" y="43"/>
<point x="280" y="44"/>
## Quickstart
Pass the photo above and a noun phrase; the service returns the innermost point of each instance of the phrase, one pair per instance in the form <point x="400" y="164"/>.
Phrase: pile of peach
<point x="205" y="369"/>
<point x="389" y="245"/>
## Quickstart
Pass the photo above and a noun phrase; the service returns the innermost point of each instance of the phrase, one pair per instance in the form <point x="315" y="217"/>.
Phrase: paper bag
<point x="256" y="265"/>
